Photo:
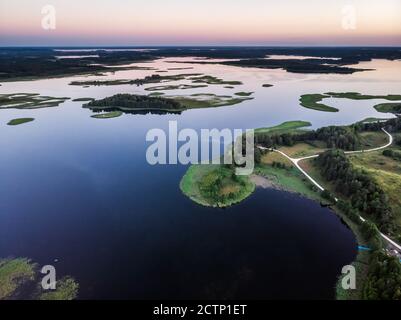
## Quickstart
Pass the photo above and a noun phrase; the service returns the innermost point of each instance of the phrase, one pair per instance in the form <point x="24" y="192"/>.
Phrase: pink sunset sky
<point x="202" y="22"/>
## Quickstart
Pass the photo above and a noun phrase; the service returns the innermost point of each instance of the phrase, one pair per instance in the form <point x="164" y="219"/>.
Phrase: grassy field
<point x="215" y="185"/>
<point x="303" y="149"/>
<point x="288" y="179"/>
<point x="13" y="273"/>
<point x="284" y="127"/>
<point x="373" y="139"/>
<point x="312" y="101"/>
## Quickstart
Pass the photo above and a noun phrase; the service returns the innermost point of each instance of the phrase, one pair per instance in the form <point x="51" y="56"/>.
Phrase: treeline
<point x="384" y="278"/>
<point x="391" y="125"/>
<point x="364" y="193"/>
<point x="126" y="101"/>
<point x="383" y="281"/>
<point x="338" y="137"/>
<point x="396" y="155"/>
<point x="345" y="138"/>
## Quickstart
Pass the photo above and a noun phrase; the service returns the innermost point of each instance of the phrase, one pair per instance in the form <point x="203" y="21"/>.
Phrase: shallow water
<point x="79" y="190"/>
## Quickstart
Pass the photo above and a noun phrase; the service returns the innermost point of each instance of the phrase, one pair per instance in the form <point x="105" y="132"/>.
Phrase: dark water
<point x="79" y="190"/>
<point x="123" y="229"/>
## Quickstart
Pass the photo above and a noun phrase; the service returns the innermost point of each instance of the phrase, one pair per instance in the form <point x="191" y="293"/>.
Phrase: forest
<point x="364" y="194"/>
<point x="345" y="138"/>
<point x="129" y="101"/>
<point x="23" y="62"/>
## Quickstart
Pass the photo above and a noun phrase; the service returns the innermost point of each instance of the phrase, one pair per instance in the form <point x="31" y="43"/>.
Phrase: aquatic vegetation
<point x="13" y="274"/>
<point x="28" y="101"/>
<point x="108" y="115"/>
<point x="155" y="78"/>
<point x="175" y="87"/>
<point x="16" y="122"/>
<point x="214" y="80"/>
<point x="243" y="94"/>
<point x="17" y="276"/>
<point x="389" y="107"/>
<point x="311" y="101"/>
<point x="359" y="96"/>
<point x="156" y="94"/>
<point x="67" y="289"/>
<point x="83" y="99"/>
<point x="295" y="65"/>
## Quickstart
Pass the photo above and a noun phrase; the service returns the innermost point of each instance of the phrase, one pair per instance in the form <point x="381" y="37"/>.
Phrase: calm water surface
<point x="79" y="190"/>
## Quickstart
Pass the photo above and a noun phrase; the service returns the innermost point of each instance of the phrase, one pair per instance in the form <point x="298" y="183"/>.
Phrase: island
<point x="107" y="115"/>
<point x="215" y="185"/>
<point x="16" y="122"/>
<point x="312" y="101"/>
<point x="129" y="103"/>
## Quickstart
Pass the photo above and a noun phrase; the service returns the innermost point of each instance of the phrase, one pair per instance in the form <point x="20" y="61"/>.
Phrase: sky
<point x="199" y="22"/>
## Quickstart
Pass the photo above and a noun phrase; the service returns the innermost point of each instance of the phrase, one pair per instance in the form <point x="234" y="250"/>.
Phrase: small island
<point x="16" y="122"/>
<point x="389" y="107"/>
<point x="215" y="185"/>
<point x="129" y="103"/>
<point x="312" y="101"/>
<point x="107" y="115"/>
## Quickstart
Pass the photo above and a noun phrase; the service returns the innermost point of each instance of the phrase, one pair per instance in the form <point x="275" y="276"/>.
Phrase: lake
<point x="77" y="192"/>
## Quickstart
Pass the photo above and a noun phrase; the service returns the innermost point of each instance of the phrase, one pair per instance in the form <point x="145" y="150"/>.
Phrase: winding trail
<point x="296" y="161"/>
